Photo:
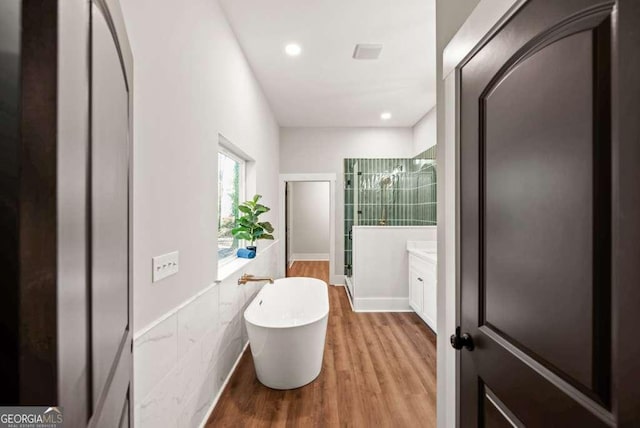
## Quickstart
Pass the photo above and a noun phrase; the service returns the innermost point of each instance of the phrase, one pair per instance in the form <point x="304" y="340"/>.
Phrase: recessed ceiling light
<point x="293" y="49"/>
<point x="385" y="116"/>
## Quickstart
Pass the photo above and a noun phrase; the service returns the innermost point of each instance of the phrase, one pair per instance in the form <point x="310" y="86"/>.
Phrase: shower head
<point x="385" y="181"/>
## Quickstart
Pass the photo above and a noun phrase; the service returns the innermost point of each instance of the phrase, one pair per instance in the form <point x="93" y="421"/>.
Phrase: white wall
<point x="425" y="132"/>
<point x="323" y="150"/>
<point x="310" y="220"/>
<point x="385" y="288"/>
<point x="192" y="83"/>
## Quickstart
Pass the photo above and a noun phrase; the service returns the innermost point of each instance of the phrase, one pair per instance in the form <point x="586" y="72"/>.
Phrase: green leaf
<point x="256" y="198"/>
<point x="261" y="209"/>
<point x="266" y="226"/>
<point x="239" y="229"/>
<point x="244" y="235"/>
<point x="266" y="236"/>
<point x="245" y="221"/>
<point x="245" y="209"/>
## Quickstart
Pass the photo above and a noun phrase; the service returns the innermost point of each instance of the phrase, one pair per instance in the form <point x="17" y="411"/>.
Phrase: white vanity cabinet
<point x="422" y="285"/>
<point x="416" y="284"/>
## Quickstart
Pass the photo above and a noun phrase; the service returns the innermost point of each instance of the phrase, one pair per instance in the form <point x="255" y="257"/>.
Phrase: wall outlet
<point x="165" y="265"/>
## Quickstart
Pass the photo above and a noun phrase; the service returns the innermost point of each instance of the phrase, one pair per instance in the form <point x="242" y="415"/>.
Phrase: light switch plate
<point x="165" y="265"/>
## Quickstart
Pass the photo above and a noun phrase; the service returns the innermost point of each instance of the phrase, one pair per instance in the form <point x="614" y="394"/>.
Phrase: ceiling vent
<point x="367" y="51"/>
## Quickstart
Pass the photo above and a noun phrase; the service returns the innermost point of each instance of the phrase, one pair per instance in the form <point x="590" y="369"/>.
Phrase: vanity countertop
<point x="425" y="250"/>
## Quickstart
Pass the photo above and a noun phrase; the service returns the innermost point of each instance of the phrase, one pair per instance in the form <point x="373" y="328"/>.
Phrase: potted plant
<point x="248" y="227"/>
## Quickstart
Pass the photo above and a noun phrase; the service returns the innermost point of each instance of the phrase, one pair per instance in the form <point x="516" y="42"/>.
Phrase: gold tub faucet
<point x="250" y="278"/>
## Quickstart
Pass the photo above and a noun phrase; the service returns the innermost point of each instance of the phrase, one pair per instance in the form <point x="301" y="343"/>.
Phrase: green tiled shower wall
<point x="390" y="192"/>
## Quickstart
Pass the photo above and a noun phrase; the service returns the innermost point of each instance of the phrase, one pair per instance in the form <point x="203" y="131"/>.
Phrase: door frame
<point x="106" y="404"/>
<point x="484" y="21"/>
<point x="282" y="183"/>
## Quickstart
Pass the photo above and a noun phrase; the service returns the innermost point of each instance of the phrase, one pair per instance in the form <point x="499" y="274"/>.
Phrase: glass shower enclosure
<point x="388" y="192"/>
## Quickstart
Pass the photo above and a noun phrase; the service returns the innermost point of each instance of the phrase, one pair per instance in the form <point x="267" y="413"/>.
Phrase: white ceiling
<point x="325" y="86"/>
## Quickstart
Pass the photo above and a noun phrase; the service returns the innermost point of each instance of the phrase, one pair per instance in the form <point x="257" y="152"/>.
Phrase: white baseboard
<point x="349" y="297"/>
<point x="310" y="256"/>
<point x="337" y="279"/>
<point x="428" y="321"/>
<point x="224" y="385"/>
<point x="382" y="304"/>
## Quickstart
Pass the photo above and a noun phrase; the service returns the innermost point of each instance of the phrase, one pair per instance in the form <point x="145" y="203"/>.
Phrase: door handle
<point x="461" y="341"/>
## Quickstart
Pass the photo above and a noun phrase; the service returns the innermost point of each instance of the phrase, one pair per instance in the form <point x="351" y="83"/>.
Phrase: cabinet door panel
<point x="416" y="290"/>
<point x="430" y="297"/>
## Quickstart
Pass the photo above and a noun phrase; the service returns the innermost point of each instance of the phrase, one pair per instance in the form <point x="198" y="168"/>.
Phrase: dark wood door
<point x="548" y="217"/>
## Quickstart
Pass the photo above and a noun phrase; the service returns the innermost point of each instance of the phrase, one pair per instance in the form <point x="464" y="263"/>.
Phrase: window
<point x="230" y="194"/>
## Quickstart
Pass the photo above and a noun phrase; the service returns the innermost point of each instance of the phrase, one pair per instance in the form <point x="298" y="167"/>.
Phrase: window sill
<point x="231" y="267"/>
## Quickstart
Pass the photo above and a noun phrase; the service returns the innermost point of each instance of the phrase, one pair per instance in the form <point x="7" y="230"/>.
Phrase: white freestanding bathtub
<point x="287" y="326"/>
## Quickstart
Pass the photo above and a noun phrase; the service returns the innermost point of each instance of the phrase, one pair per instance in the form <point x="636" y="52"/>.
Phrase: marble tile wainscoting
<point x="182" y="361"/>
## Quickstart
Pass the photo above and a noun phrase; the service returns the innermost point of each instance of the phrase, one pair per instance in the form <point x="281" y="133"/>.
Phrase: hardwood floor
<point x="379" y="370"/>
<point x="314" y="269"/>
